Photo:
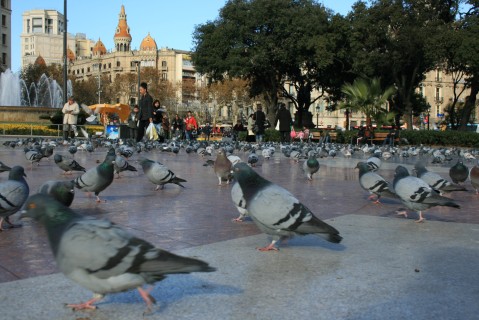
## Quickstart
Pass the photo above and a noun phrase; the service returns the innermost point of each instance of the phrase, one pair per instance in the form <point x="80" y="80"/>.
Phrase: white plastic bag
<point x="151" y="132"/>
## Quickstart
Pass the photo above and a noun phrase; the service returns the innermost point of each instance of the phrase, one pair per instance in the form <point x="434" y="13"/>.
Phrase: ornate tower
<point x="122" y="36"/>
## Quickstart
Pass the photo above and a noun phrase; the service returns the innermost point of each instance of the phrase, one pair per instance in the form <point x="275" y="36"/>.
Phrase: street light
<point x="138" y="66"/>
<point x="318" y="108"/>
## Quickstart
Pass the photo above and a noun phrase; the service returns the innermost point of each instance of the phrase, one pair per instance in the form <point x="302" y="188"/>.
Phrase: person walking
<point x="70" y="118"/>
<point x="145" y="115"/>
<point x="283" y="116"/>
<point x="259" y="120"/>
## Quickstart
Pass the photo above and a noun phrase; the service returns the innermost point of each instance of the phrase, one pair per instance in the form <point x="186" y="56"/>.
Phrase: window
<point x="4" y="20"/>
<point x="49" y="26"/>
<point x="3" y="4"/>
<point x="163" y="63"/>
<point x="164" y="76"/>
<point x="118" y="63"/>
<point x="37" y="25"/>
<point x="109" y="66"/>
<point x="28" y="25"/>
<point x="438" y="75"/>
<point x="437" y="95"/>
<point x="4" y="58"/>
<point x="4" y="39"/>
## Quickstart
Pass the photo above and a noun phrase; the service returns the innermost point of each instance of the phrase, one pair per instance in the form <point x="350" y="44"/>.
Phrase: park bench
<point x="380" y="136"/>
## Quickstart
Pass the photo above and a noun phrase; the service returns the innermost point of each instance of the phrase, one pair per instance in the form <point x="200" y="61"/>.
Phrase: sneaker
<point x="76" y="134"/>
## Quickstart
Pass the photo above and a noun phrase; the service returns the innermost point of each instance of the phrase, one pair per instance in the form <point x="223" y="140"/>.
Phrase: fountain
<point x="45" y="93"/>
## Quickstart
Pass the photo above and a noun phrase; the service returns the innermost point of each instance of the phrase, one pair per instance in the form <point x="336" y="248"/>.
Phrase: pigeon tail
<point x="177" y="181"/>
<point x="321" y="229"/>
<point x="452" y="187"/>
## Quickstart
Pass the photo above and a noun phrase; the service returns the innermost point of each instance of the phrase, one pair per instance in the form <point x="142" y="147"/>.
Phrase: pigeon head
<point x="249" y="181"/>
<point x="58" y="158"/>
<point x="420" y="168"/>
<point x="363" y="167"/>
<point x="400" y="173"/>
<point x="47" y="210"/>
<point x="17" y="173"/>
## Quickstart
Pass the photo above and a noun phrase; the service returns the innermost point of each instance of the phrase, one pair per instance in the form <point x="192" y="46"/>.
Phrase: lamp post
<point x="138" y="68"/>
<point x="318" y="108"/>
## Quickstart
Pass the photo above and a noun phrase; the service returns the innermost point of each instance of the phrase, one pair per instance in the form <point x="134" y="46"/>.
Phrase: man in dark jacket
<point x="145" y="115"/>
<point x="284" y="117"/>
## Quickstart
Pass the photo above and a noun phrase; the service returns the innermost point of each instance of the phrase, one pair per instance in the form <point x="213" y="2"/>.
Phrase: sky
<point x="170" y="22"/>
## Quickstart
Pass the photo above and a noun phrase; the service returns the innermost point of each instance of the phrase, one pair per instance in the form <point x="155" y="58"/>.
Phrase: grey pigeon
<point x="239" y="202"/>
<point x="13" y="194"/>
<point x="373" y="182"/>
<point x="474" y="176"/>
<point x="4" y="167"/>
<point x="159" y="174"/>
<point x="101" y="256"/>
<point x="122" y="165"/>
<point x="67" y="164"/>
<point x="98" y="178"/>
<point x="33" y="155"/>
<point x="416" y="194"/>
<point x="62" y="191"/>
<point x="459" y="172"/>
<point x="253" y="158"/>
<point x="276" y="211"/>
<point x="222" y="167"/>
<point x="311" y="166"/>
<point x="434" y="180"/>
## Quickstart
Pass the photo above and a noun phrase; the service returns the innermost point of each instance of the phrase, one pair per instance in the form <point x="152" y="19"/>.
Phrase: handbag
<point x="255" y="128"/>
<point x="151" y="132"/>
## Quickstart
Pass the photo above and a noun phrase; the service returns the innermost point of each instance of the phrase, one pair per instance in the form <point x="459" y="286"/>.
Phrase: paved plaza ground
<point x="387" y="267"/>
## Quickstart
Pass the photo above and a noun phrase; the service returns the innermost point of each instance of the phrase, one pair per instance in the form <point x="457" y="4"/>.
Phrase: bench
<point x="316" y="135"/>
<point x="380" y="136"/>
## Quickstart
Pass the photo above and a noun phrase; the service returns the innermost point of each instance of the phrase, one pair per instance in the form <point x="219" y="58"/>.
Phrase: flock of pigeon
<point x="113" y="260"/>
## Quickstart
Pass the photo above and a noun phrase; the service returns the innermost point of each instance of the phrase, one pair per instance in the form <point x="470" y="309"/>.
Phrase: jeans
<point x="259" y="137"/>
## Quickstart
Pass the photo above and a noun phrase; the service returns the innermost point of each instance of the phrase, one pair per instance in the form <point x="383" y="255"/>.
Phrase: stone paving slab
<point x="385" y="268"/>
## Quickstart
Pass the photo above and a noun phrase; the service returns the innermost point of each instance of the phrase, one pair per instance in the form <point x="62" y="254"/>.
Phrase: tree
<point x="395" y="49"/>
<point x="268" y="43"/>
<point x="368" y="97"/>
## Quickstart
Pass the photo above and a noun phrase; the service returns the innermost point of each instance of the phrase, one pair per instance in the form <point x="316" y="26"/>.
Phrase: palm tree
<point x="368" y="97"/>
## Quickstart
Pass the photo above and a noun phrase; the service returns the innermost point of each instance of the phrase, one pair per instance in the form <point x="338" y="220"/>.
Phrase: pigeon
<point x="239" y="202"/>
<point x="234" y="159"/>
<point x="159" y="174"/>
<point x="4" y="167"/>
<point x="13" y="194"/>
<point x="435" y="181"/>
<point x="474" y="176"/>
<point x="98" y="178"/>
<point x="416" y="194"/>
<point x="373" y="182"/>
<point x="374" y="163"/>
<point x="459" y="172"/>
<point x="122" y="165"/>
<point x="276" y="211"/>
<point x="253" y="158"/>
<point x="62" y="191"/>
<point x="33" y="155"/>
<point x="222" y="167"/>
<point x="310" y="167"/>
<point x="67" y="164"/>
<point x="101" y="256"/>
<point x="72" y="149"/>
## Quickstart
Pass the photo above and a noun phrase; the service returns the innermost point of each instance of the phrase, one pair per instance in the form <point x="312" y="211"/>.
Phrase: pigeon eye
<point x="32" y="206"/>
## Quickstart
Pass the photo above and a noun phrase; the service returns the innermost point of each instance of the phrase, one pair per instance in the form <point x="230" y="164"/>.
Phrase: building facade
<point x="6" y="34"/>
<point x="42" y="36"/>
